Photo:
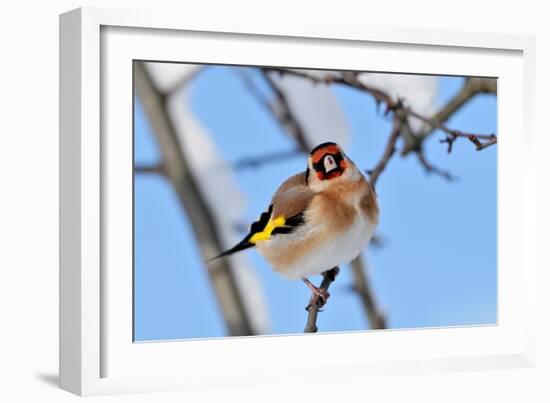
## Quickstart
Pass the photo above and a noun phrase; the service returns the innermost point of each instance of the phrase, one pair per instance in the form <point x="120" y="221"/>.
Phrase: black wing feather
<point x="255" y="227"/>
<point x="258" y="226"/>
<point x="290" y="224"/>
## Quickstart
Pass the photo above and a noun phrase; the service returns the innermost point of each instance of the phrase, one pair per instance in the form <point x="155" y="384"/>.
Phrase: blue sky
<point x="438" y="263"/>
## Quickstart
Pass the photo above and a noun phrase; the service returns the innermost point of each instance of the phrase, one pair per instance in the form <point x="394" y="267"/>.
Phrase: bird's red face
<point x="328" y="161"/>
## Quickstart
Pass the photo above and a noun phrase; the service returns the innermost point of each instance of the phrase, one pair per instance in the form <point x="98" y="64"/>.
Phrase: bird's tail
<point x="257" y="227"/>
<point x="244" y="244"/>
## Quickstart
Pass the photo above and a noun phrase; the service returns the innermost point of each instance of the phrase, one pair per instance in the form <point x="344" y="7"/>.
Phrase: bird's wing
<point x="283" y="216"/>
<point x="286" y="211"/>
<point x="292" y="197"/>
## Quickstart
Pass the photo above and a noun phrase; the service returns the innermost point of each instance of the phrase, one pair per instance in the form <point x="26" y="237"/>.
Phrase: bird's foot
<point x="318" y="299"/>
<point x="319" y="296"/>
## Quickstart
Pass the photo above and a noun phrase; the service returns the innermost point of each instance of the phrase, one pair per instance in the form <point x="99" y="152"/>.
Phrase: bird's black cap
<point x="328" y="143"/>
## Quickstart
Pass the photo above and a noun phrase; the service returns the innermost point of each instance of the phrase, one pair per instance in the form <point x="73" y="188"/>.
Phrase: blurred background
<point x="213" y="143"/>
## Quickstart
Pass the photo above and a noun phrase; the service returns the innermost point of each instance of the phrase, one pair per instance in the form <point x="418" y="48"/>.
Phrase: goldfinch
<point x="317" y="219"/>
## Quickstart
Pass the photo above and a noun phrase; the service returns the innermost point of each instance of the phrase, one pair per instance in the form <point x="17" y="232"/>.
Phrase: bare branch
<point x="472" y="87"/>
<point x="264" y="159"/>
<point x="388" y="152"/>
<point x="150" y="169"/>
<point x="486" y="144"/>
<point x="350" y="79"/>
<point x="481" y="141"/>
<point x="253" y="90"/>
<point x="288" y="120"/>
<point x="398" y="107"/>
<point x="285" y="115"/>
<point x="313" y="309"/>
<point x="280" y="109"/>
<point x="230" y="298"/>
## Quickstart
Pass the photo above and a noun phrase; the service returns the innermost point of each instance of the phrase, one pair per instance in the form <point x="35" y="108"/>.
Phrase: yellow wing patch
<point x="265" y="234"/>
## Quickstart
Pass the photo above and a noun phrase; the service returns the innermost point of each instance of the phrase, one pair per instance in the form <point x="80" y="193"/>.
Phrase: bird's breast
<point x="335" y="230"/>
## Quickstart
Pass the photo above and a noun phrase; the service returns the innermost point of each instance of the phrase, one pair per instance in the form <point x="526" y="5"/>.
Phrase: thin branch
<point x="350" y="79"/>
<point x="253" y="89"/>
<point x="282" y="113"/>
<point x="397" y="106"/>
<point x="481" y="141"/>
<point x="388" y="152"/>
<point x="264" y="159"/>
<point x="285" y="115"/>
<point x="288" y="120"/>
<point x="280" y="109"/>
<point x="361" y="286"/>
<point x="313" y="309"/>
<point x="472" y="86"/>
<point x="150" y="169"/>
<point x="486" y="144"/>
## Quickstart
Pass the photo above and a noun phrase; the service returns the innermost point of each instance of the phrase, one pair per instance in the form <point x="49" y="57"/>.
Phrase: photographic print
<point x="271" y="201"/>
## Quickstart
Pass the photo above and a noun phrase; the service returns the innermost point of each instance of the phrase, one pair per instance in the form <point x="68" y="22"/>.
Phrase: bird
<point x="318" y="219"/>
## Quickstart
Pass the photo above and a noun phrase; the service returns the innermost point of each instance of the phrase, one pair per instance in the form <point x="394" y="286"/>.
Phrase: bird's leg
<point x="319" y="296"/>
<point x="332" y="273"/>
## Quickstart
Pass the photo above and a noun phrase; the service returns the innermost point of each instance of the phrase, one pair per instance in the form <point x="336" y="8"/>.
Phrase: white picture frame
<point x="97" y="356"/>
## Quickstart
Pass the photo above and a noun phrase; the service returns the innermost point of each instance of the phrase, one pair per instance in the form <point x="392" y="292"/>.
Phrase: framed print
<point x="217" y="178"/>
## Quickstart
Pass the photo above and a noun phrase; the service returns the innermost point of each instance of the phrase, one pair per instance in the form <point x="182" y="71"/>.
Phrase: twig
<point x="350" y="79"/>
<point x="313" y="309"/>
<point x="289" y="121"/>
<point x="388" y="152"/>
<point x="150" y="169"/>
<point x="452" y="135"/>
<point x="280" y="109"/>
<point x="397" y="106"/>
<point x="268" y="158"/>
<point x="486" y="144"/>
<point x="455" y="133"/>
<point x="472" y="87"/>
<point x="285" y="115"/>
<point x="253" y="90"/>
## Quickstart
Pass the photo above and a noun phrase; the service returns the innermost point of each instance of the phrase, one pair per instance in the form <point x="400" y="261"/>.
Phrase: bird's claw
<point x="319" y="298"/>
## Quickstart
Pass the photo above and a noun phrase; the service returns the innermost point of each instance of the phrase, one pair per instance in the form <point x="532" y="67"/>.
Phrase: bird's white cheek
<point x="329" y="163"/>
